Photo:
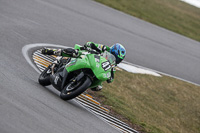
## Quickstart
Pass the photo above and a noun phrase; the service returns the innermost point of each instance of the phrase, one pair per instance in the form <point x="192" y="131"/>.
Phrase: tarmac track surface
<point x="25" y="106"/>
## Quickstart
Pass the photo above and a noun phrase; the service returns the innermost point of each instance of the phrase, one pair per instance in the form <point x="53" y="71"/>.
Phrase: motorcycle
<point x="72" y="76"/>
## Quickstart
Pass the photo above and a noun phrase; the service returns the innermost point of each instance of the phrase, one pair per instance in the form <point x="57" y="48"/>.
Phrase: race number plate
<point x="106" y="65"/>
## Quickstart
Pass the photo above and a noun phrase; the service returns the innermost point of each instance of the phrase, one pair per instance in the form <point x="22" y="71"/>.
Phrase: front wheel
<point x="72" y="90"/>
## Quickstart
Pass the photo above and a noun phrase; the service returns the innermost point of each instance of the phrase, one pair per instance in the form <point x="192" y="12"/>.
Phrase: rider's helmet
<point x="118" y="51"/>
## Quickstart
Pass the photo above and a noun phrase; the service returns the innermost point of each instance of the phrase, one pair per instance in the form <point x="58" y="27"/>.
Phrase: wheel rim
<point x="71" y="87"/>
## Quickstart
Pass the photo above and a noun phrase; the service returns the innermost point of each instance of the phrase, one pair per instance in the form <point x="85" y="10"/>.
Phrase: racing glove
<point x="47" y="51"/>
<point x="104" y="48"/>
<point x="93" y="46"/>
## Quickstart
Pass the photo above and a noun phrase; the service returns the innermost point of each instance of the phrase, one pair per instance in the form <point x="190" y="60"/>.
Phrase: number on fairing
<point x="106" y="65"/>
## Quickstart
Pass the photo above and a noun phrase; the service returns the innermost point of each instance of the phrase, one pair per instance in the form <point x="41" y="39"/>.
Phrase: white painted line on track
<point x="133" y="69"/>
<point x="26" y="48"/>
<point x="162" y="73"/>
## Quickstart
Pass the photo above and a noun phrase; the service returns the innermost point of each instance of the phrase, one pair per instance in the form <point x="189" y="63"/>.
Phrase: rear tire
<point x="85" y="82"/>
<point x="44" y="78"/>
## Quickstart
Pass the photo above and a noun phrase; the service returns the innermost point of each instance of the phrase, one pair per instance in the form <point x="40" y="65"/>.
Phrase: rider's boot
<point x="47" y="51"/>
<point x="98" y="88"/>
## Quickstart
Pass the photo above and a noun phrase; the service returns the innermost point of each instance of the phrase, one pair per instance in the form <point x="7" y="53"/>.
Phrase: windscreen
<point x="110" y="57"/>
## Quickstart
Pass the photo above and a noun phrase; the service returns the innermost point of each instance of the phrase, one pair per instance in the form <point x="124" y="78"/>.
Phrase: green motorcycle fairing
<point x="99" y="64"/>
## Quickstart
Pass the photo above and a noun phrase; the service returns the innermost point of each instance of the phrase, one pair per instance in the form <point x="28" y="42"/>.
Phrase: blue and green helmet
<point x="118" y="51"/>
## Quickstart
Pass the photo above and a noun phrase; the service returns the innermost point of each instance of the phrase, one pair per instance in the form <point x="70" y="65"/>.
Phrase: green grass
<point x="157" y="104"/>
<point x="170" y="14"/>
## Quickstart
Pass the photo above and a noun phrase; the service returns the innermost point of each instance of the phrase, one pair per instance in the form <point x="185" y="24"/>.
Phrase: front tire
<point x="44" y="78"/>
<point x="67" y="94"/>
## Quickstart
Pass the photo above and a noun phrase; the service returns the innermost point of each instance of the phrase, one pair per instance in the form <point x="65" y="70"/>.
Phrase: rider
<point x="117" y="50"/>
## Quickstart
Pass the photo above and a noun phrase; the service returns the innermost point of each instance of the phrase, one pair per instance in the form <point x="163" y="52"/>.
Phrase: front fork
<point x="54" y="64"/>
<point x="52" y="69"/>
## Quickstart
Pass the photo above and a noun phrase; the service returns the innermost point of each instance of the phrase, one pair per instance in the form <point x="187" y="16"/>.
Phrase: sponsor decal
<point x="97" y="65"/>
<point x="97" y="58"/>
<point x="108" y="75"/>
<point x="56" y="80"/>
<point x="104" y="75"/>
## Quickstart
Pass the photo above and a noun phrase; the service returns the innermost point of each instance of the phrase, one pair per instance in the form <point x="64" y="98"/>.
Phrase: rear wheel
<point x="72" y="89"/>
<point x="44" y="78"/>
